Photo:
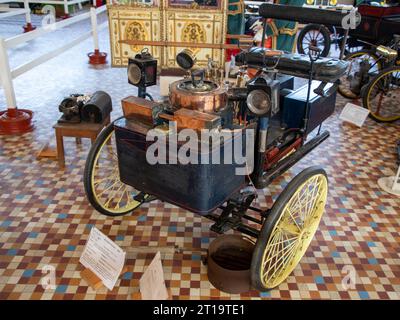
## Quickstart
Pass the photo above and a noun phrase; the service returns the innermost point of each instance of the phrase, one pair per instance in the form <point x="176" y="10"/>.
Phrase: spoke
<point x="282" y="241"/>
<point x="286" y="258"/>
<point x="108" y="188"/>
<point x="290" y="228"/>
<point x="298" y="200"/>
<point x="128" y="196"/>
<point x="287" y="250"/>
<point x="300" y="205"/>
<point x="307" y="197"/>
<point x="96" y="182"/>
<point x="308" y="37"/>
<point x="274" y="248"/>
<point x="310" y="215"/>
<point x="117" y="206"/>
<point x="111" y="191"/>
<point x="311" y="199"/>
<point x="276" y="253"/>
<point x="112" y="195"/>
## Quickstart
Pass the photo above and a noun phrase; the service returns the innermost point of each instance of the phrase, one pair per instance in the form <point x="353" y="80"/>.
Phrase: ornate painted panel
<point x="198" y="26"/>
<point x="166" y="20"/>
<point x="139" y="24"/>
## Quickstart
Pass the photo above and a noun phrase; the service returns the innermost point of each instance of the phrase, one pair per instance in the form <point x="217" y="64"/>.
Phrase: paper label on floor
<point x="152" y="284"/>
<point x="102" y="256"/>
<point x="354" y="114"/>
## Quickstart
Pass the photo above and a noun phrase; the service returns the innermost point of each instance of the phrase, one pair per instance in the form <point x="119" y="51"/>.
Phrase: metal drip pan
<point x="205" y="97"/>
<point x="228" y="263"/>
<point x="206" y="86"/>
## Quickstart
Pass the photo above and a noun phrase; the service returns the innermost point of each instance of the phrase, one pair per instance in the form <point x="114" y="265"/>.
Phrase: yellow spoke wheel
<point x="104" y="189"/>
<point x="382" y="96"/>
<point x="289" y="228"/>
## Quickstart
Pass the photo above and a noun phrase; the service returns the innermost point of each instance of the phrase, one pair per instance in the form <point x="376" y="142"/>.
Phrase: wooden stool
<point x="77" y="130"/>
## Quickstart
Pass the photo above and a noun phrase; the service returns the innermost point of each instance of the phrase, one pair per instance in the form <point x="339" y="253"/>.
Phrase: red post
<point x="15" y="121"/>
<point x="28" y="27"/>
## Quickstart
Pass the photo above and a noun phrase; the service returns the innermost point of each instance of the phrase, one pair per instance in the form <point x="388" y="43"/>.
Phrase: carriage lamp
<point x="263" y="96"/>
<point x="186" y="59"/>
<point x="259" y="102"/>
<point x="388" y="53"/>
<point x="142" y="70"/>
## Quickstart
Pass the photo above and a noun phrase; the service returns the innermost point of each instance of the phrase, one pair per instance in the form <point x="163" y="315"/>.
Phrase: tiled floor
<point x="45" y="218"/>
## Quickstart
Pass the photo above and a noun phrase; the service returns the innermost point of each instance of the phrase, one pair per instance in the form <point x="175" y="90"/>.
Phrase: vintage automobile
<point x="285" y="122"/>
<point x="378" y="25"/>
<point x="373" y="74"/>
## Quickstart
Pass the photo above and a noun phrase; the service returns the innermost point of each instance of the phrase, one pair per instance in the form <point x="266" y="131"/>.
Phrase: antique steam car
<point x="119" y="176"/>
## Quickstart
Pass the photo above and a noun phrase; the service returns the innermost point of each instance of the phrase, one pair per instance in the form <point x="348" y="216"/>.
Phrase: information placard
<point x="102" y="256"/>
<point x="354" y="114"/>
<point x="152" y="284"/>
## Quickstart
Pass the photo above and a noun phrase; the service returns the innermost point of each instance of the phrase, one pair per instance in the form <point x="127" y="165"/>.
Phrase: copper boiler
<point x="205" y="97"/>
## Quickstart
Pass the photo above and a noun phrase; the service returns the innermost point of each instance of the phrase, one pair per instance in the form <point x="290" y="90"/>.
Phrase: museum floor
<point x="45" y="218"/>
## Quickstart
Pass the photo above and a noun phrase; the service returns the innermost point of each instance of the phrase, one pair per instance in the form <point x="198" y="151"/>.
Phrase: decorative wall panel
<point x="169" y="22"/>
<point x="138" y="24"/>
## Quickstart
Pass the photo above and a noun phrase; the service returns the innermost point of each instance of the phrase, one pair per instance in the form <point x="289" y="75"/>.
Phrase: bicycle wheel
<point x="316" y="35"/>
<point x="103" y="187"/>
<point x="382" y="95"/>
<point x="347" y="87"/>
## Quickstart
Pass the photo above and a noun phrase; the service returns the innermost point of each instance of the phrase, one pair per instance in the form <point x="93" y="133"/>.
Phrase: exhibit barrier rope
<point x="17" y="121"/>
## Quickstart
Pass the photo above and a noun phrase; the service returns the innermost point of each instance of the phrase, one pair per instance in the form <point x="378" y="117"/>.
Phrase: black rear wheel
<point x="316" y="35"/>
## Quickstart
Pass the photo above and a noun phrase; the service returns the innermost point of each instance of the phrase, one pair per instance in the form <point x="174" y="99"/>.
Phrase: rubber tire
<point x="318" y="27"/>
<point x="88" y="171"/>
<point x="272" y="219"/>
<point x="346" y="58"/>
<point x="368" y="87"/>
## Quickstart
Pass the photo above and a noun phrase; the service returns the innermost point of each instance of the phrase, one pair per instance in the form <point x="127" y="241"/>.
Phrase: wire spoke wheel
<point x="289" y="229"/>
<point x="104" y="189"/>
<point x="346" y="88"/>
<point x="382" y="96"/>
<point x="314" y="35"/>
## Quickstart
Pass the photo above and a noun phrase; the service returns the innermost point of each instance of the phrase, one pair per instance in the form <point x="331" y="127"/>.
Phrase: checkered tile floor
<point x="45" y="218"/>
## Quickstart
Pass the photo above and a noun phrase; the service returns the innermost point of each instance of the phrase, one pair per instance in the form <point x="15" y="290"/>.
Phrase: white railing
<point x="10" y="12"/>
<point x="65" y="3"/>
<point x="7" y="75"/>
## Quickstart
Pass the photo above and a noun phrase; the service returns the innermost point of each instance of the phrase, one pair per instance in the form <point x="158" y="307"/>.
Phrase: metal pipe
<point x="343" y="48"/>
<point x="247" y="217"/>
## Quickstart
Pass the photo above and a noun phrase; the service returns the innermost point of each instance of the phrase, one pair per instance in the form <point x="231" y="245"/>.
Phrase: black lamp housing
<point x="142" y="70"/>
<point x="263" y="96"/>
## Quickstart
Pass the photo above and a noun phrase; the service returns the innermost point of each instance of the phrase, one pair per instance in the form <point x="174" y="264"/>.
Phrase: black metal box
<point x="294" y="106"/>
<point x="200" y="188"/>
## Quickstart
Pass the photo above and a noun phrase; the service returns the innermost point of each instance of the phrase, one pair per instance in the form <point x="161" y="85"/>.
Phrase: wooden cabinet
<point x="163" y="24"/>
